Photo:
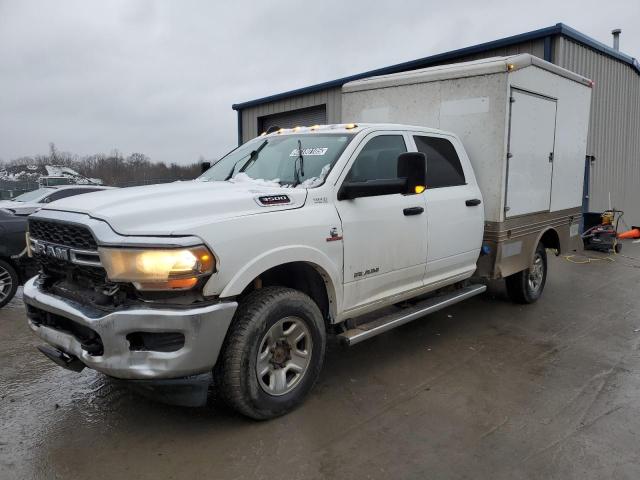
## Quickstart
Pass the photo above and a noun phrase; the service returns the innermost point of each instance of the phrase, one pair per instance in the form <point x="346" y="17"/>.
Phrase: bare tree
<point x="113" y="168"/>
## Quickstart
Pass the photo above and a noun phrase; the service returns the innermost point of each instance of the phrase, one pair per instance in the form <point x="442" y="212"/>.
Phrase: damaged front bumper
<point x="140" y="344"/>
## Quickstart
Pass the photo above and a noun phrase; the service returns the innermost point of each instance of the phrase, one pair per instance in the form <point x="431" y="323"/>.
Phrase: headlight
<point x="158" y="269"/>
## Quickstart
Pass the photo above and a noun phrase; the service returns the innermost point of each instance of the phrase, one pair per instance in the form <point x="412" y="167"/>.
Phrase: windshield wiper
<point x="300" y="158"/>
<point x="252" y="156"/>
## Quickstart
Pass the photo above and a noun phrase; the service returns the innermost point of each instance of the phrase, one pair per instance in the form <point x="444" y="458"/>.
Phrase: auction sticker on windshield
<point x="308" y="152"/>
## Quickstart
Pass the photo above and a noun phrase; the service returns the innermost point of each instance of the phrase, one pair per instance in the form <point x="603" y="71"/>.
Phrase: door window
<point x="443" y="165"/>
<point x="378" y="160"/>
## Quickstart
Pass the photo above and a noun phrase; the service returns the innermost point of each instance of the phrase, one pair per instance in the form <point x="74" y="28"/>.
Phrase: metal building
<point x="614" y="127"/>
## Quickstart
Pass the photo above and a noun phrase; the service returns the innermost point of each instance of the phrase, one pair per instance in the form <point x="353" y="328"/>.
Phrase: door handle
<point x="473" y="202"/>
<point x="413" y="211"/>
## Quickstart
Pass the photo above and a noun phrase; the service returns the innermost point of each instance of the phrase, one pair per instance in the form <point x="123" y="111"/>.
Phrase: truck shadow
<point x="402" y="351"/>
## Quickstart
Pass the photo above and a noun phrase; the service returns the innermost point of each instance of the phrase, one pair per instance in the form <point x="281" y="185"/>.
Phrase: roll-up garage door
<point x="303" y="117"/>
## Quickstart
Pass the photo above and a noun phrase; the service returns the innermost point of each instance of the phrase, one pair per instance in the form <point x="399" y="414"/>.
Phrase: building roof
<point x="558" y="29"/>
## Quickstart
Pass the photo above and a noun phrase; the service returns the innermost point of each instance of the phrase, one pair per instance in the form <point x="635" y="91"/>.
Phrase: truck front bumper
<point x="68" y="325"/>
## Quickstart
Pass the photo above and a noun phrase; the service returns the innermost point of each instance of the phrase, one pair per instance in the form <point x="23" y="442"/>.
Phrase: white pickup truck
<point x="236" y="278"/>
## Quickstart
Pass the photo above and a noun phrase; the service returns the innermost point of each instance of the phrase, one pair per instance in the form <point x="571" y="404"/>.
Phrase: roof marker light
<point x="315" y="127"/>
<point x="510" y="67"/>
<point x="350" y="126"/>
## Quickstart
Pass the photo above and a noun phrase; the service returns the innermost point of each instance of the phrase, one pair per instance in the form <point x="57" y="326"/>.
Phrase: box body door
<point x="531" y="149"/>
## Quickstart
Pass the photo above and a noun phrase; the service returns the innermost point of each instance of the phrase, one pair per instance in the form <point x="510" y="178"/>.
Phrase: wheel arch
<point x="550" y="239"/>
<point x="309" y="264"/>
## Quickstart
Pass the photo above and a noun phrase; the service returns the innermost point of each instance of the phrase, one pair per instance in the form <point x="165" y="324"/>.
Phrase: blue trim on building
<point x="585" y="190"/>
<point x="548" y="49"/>
<point x="240" y="127"/>
<point x="546" y="33"/>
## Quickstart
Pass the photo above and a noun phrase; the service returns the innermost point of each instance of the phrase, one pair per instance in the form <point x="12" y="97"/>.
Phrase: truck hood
<point x="174" y="208"/>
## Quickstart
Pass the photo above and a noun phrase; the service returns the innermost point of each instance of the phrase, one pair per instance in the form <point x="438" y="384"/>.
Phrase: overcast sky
<point x="159" y="77"/>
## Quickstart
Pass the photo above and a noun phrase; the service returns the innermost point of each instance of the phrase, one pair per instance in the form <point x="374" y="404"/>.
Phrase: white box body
<point x="523" y="121"/>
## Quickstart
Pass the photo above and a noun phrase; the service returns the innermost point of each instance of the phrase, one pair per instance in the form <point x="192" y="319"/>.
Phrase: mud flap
<point x="65" y="360"/>
<point x="190" y="391"/>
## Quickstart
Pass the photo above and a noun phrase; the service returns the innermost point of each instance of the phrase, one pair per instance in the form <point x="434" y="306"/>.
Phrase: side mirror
<point x="413" y="167"/>
<point x="204" y="166"/>
<point x="371" y="188"/>
<point x="412" y="171"/>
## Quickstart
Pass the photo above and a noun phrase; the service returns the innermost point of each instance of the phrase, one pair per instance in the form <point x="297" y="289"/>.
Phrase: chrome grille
<point x="69" y="235"/>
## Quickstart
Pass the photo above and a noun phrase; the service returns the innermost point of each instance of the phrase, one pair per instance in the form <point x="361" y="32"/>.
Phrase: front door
<point x="531" y="146"/>
<point x="384" y="237"/>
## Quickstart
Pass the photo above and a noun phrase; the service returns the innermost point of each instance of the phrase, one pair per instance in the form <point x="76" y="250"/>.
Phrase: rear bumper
<point x="204" y="329"/>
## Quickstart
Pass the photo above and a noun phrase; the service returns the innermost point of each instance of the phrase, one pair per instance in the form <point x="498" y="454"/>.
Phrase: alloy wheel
<point x="6" y="283"/>
<point x="536" y="273"/>
<point x="284" y="356"/>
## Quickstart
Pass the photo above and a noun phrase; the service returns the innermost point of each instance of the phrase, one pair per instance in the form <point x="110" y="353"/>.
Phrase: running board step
<point x="430" y="305"/>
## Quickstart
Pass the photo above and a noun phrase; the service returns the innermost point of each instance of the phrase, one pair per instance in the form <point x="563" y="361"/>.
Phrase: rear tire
<point x="273" y="353"/>
<point x="527" y="286"/>
<point x="8" y="282"/>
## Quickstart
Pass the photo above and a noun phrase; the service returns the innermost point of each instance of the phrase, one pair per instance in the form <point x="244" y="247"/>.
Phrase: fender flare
<point x="289" y="254"/>
<point x="539" y="238"/>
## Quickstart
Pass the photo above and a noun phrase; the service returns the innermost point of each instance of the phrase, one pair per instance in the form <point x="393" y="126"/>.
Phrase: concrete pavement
<point x="484" y="389"/>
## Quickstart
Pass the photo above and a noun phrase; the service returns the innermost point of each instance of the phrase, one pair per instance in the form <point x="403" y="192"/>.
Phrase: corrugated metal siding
<point x="330" y="97"/>
<point x="614" y="127"/>
<point x="535" y="47"/>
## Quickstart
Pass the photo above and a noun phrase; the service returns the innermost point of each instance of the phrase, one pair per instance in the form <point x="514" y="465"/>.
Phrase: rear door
<point x="455" y="215"/>
<point x="530" y="160"/>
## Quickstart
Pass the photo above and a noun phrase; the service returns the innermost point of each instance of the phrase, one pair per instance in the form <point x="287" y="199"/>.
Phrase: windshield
<point x="275" y="161"/>
<point x="51" y="181"/>
<point x="33" y="195"/>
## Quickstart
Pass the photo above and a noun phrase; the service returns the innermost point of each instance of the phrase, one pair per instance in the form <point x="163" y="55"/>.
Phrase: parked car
<point x="15" y="266"/>
<point x="30" y="202"/>
<point x="240" y="275"/>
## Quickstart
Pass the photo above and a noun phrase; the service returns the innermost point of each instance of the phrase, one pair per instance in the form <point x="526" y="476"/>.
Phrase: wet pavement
<point x="484" y="389"/>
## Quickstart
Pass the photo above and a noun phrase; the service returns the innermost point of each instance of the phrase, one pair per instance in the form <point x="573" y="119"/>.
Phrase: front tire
<point x="527" y="286"/>
<point x="8" y="282"/>
<point x="273" y="353"/>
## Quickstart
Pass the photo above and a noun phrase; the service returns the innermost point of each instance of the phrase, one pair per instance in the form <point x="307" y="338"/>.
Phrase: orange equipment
<point x="633" y="233"/>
